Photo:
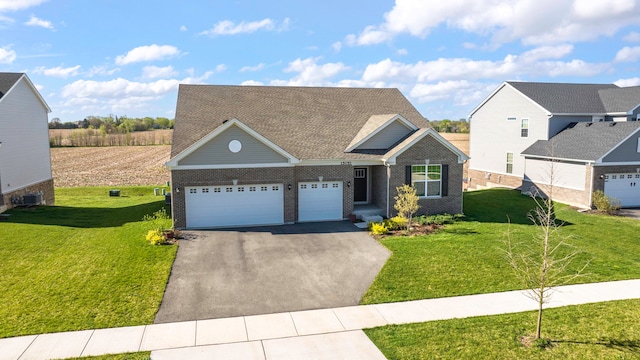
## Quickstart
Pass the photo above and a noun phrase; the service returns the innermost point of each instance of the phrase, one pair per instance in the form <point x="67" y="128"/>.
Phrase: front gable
<point x="381" y="132"/>
<point x="627" y="151"/>
<point x="425" y="142"/>
<point x="232" y="145"/>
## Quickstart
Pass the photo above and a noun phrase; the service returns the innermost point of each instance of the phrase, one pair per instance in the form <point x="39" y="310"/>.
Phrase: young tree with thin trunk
<point x="543" y="261"/>
<point x="406" y="202"/>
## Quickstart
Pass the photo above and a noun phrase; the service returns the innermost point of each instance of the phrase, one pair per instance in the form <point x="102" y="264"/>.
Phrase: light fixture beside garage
<point x="235" y="146"/>
<point x="348" y="184"/>
<point x="235" y="181"/>
<point x="320" y="178"/>
<point x="289" y="187"/>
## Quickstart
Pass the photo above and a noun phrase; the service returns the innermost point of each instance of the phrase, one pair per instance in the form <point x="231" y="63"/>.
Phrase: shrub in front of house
<point x="604" y="204"/>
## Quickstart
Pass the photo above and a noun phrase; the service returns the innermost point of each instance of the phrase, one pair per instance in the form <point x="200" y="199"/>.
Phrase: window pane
<point x="419" y="188"/>
<point x="509" y="157"/>
<point x="433" y="188"/>
<point x="509" y="168"/>
<point x="418" y="172"/>
<point x="434" y="172"/>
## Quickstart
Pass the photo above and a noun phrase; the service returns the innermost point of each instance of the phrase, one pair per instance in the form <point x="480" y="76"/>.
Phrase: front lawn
<point x="81" y="264"/>
<point x="608" y="330"/>
<point x="466" y="257"/>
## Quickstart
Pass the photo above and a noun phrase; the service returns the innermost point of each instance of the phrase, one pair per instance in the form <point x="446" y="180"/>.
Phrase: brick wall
<point x="436" y="153"/>
<point x="46" y="187"/>
<point x="379" y="187"/>
<point x="282" y="175"/>
<point x="483" y="179"/>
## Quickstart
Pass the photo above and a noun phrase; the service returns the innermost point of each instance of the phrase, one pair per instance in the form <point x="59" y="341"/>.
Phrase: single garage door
<point x="234" y="205"/>
<point x="623" y="187"/>
<point x="320" y="201"/>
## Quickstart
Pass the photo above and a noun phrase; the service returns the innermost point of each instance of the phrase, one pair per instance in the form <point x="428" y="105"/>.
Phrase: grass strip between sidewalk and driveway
<point x="607" y="330"/>
<point x="81" y="264"/>
<point x="467" y="257"/>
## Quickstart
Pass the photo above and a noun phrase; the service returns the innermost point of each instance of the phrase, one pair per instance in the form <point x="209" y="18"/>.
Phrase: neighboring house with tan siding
<point x="25" y="158"/>
<point x="257" y="155"/>
<point x="578" y="137"/>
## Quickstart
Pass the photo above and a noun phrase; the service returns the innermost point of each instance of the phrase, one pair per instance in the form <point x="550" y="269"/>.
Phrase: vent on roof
<point x="612" y="124"/>
<point x="589" y="124"/>
<point x="224" y="121"/>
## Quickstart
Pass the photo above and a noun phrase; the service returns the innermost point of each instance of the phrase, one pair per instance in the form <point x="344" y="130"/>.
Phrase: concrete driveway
<point x="262" y="270"/>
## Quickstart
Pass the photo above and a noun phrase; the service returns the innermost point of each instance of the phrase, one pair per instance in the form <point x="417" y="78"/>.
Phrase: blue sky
<point x="102" y="57"/>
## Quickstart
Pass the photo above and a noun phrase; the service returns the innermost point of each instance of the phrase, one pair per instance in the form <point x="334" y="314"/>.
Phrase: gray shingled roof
<point x="620" y="99"/>
<point x="7" y="80"/>
<point x="562" y="98"/>
<point x="583" y="141"/>
<point x="307" y="122"/>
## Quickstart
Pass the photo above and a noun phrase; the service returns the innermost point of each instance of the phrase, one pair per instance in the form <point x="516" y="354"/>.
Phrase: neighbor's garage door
<point x="234" y="205"/>
<point x="320" y="201"/>
<point x="623" y="187"/>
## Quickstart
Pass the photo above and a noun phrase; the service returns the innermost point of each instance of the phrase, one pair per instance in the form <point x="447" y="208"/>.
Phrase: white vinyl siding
<point x="558" y="174"/>
<point x="24" y="155"/>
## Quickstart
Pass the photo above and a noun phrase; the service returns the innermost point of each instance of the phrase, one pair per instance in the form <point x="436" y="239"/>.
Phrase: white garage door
<point x="623" y="187"/>
<point x="320" y="201"/>
<point x="234" y="205"/>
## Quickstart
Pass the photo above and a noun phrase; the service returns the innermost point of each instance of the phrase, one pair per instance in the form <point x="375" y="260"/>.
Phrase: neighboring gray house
<point x="254" y="155"/>
<point x="25" y="158"/>
<point x="580" y="137"/>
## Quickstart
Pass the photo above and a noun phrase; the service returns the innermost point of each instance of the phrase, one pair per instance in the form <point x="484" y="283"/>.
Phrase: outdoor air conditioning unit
<point x="32" y="199"/>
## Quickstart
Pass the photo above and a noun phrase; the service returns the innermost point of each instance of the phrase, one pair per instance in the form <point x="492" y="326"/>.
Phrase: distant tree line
<point x="114" y="124"/>
<point x="450" y="126"/>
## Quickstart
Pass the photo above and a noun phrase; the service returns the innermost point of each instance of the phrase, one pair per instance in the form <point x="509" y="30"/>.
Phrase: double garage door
<point x="623" y="187"/>
<point x="236" y="205"/>
<point x="245" y="205"/>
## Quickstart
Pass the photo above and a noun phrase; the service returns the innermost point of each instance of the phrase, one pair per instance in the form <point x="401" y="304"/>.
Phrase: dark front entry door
<point x="360" y="184"/>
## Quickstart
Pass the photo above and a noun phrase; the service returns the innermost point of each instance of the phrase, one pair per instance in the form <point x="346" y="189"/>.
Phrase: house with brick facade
<point x="258" y="155"/>
<point x="25" y="158"/>
<point x="572" y="139"/>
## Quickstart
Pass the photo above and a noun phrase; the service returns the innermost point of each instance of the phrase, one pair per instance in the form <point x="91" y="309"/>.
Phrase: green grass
<point x="81" y="264"/>
<point x="609" y="330"/>
<point x="146" y="355"/>
<point x="467" y="257"/>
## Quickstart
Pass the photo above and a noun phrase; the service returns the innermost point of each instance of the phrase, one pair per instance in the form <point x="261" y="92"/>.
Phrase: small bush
<point x="156" y="237"/>
<point x="604" y="204"/>
<point x="399" y="222"/>
<point x="378" y="228"/>
<point x="440" y="219"/>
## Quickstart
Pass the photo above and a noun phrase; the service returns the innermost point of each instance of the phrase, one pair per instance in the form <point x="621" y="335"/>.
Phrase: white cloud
<point x="220" y="68"/>
<point x="154" y="72"/>
<point x="309" y="73"/>
<point x="337" y="46"/>
<point x="535" y="62"/>
<point x="628" y="54"/>
<point x="632" y="37"/>
<point x="534" y="22"/>
<point x="7" y="56"/>
<point x="253" y="68"/>
<point x="252" y="83"/>
<point x="148" y="53"/>
<point x="228" y="27"/>
<point x="402" y="52"/>
<point x="35" y="21"/>
<point x="183" y="28"/>
<point x="628" y="82"/>
<point x="57" y="71"/>
<point x="102" y="71"/>
<point x="12" y="5"/>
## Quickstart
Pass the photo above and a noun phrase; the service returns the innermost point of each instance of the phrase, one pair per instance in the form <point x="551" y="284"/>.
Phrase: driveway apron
<point x="263" y="270"/>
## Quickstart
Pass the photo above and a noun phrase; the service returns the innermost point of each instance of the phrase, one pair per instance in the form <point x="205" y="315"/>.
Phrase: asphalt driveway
<point x="262" y="270"/>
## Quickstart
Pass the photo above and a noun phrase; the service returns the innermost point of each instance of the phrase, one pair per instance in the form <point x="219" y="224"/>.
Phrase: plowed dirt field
<point x="110" y="166"/>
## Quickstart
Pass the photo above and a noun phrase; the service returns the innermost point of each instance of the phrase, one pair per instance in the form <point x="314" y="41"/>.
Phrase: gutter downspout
<point x="386" y="164"/>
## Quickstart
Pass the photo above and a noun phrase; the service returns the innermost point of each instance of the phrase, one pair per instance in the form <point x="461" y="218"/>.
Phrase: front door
<point x="360" y="183"/>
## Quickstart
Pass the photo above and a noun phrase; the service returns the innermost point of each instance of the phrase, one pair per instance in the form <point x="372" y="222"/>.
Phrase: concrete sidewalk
<point x="315" y="334"/>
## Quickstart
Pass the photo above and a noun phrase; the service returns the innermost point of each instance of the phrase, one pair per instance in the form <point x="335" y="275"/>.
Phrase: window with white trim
<point x="524" y="128"/>
<point x="427" y="180"/>
<point x="509" y="163"/>
<point x="638" y="149"/>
